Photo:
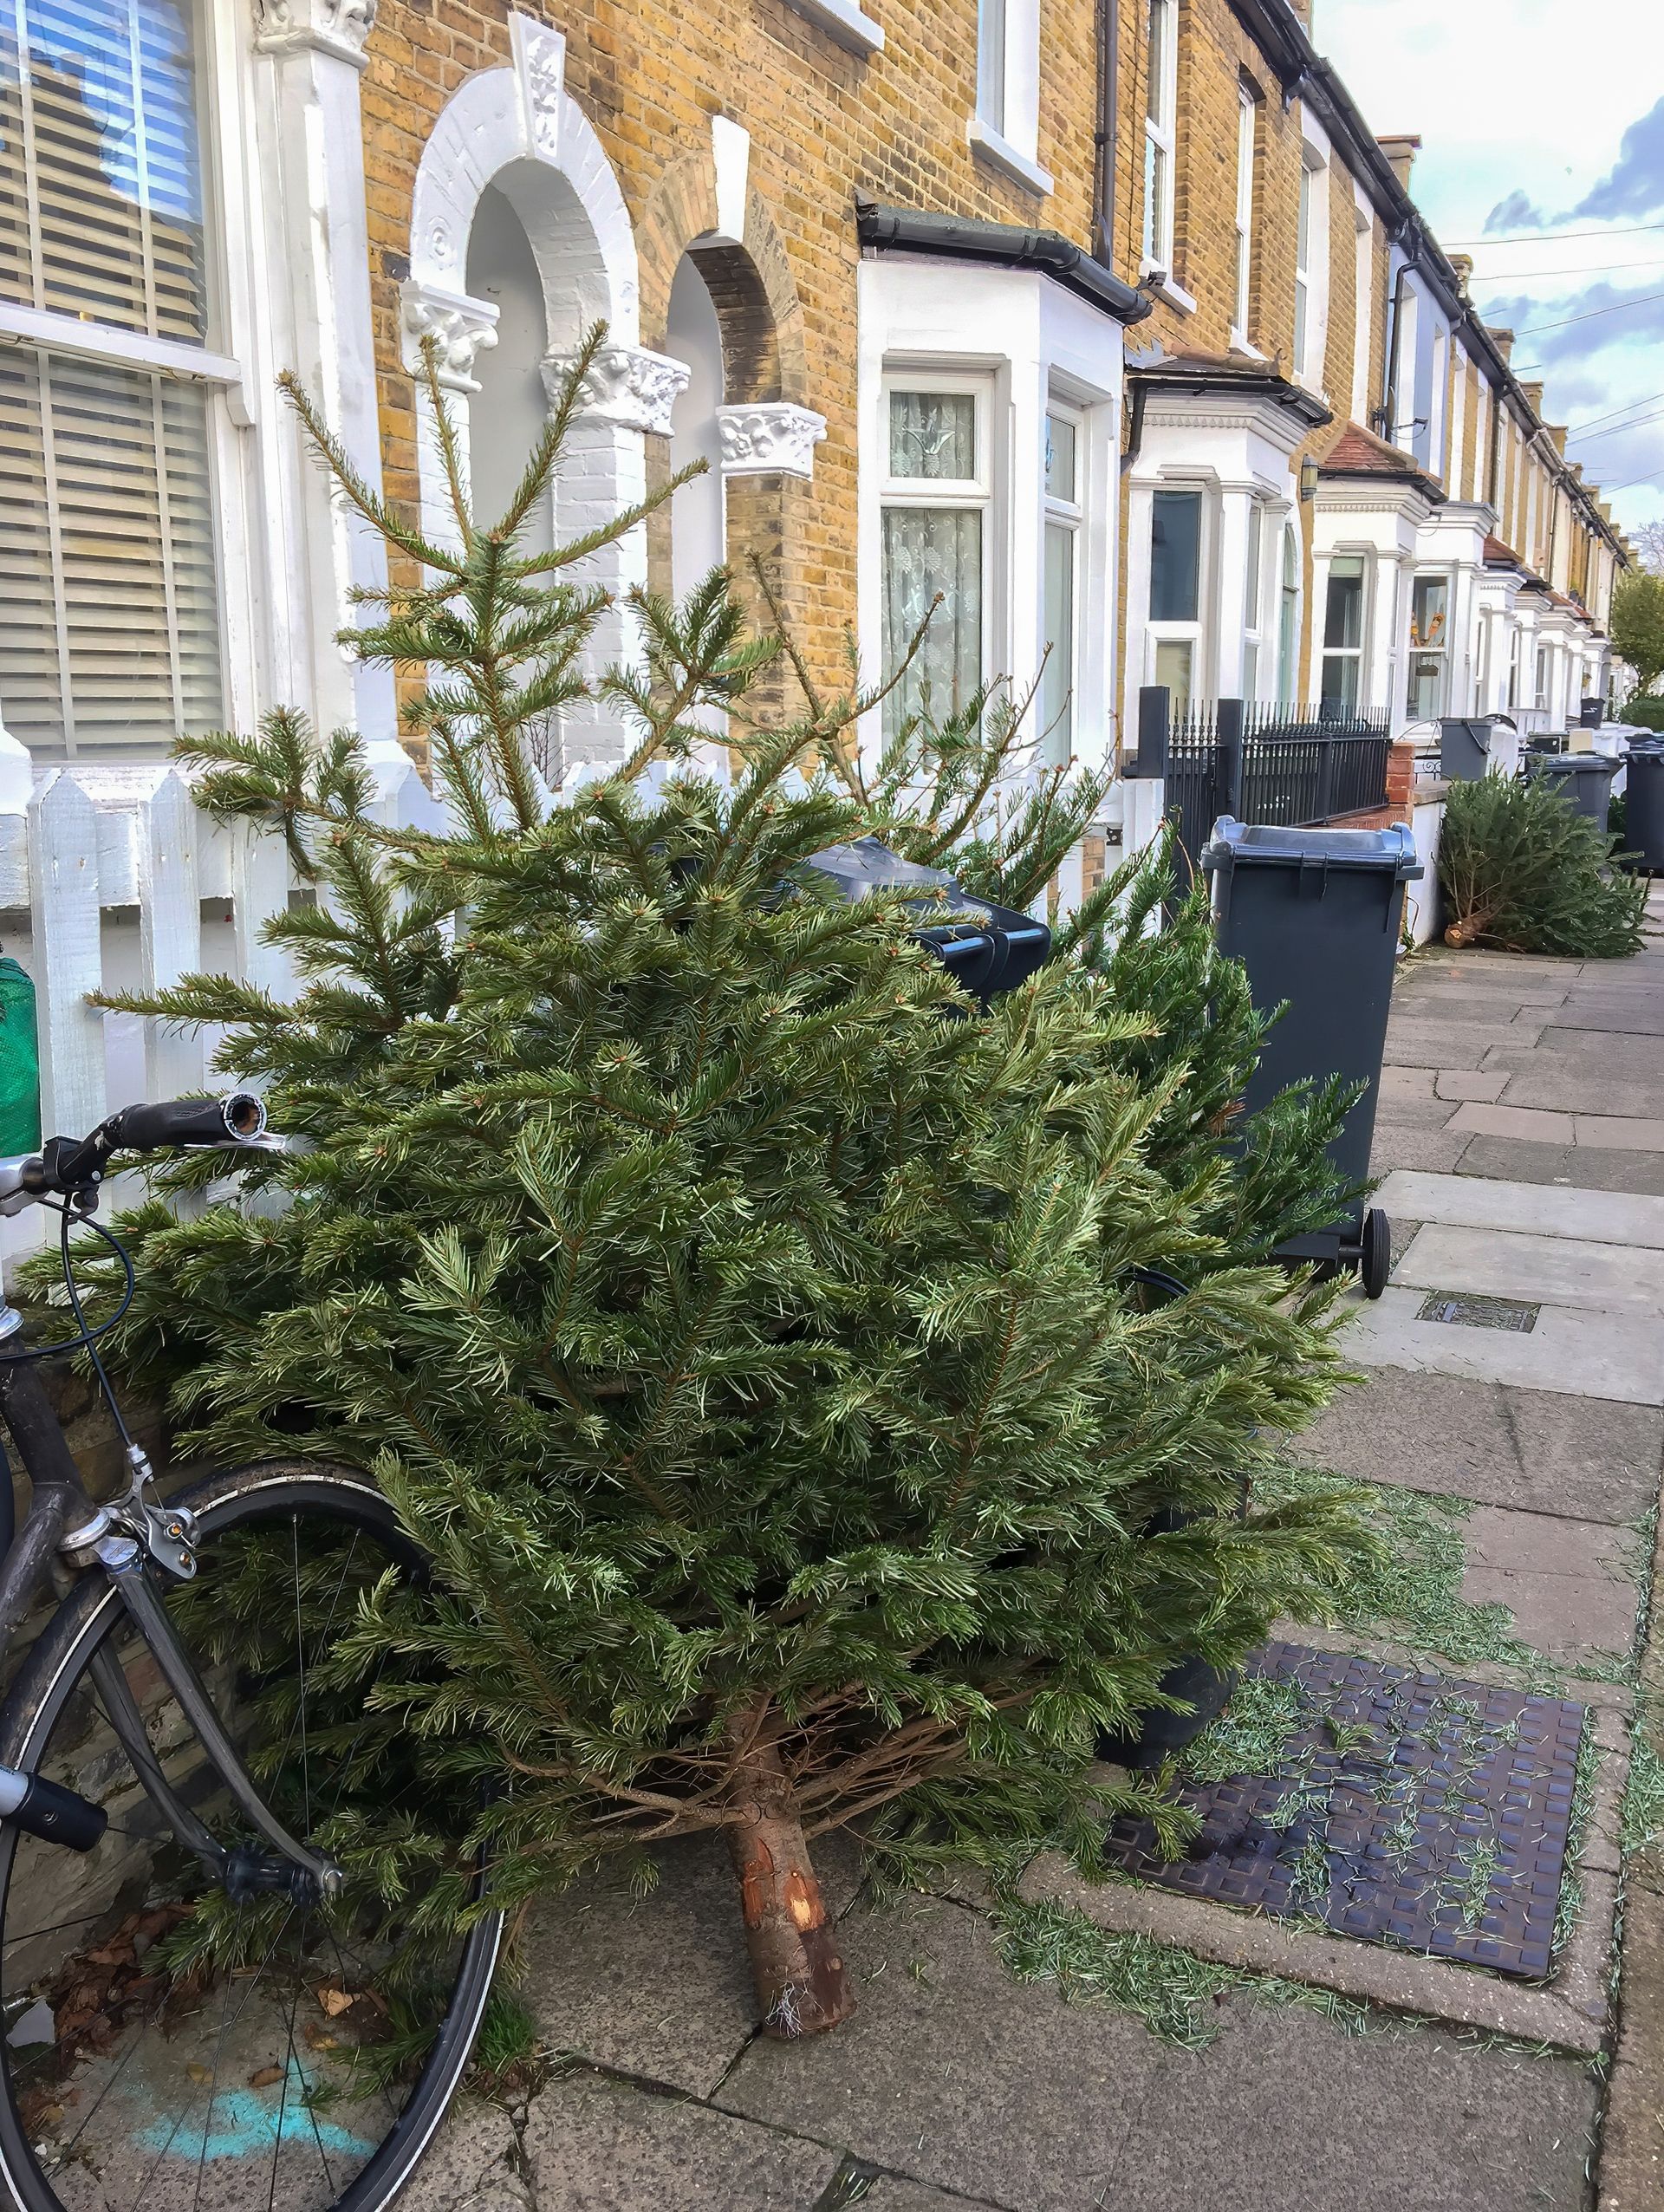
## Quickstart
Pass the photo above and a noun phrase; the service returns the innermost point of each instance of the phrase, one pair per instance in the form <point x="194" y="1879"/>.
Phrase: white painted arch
<point x="562" y="186"/>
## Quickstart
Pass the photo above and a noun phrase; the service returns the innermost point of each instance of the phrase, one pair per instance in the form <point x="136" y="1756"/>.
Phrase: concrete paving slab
<point x="596" y="2145"/>
<point x="1554" y="1271"/>
<point x="1407" y="1113"/>
<point x="470" y="2166"/>
<point x="890" y="2195"/>
<point x="1471" y="1083"/>
<point x="657" y="1986"/>
<point x="956" y="2074"/>
<point x="1533" y="1450"/>
<point x="1536" y="1126"/>
<point x="1626" y="1057"/>
<point x="1623" y="1133"/>
<point x="1589" y="1165"/>
<point x="1450" y="2129"/>
<point x="1641" y="1019"/>
<point x="1403" y="1083"/>
<point x="1594" y="1216"/>
<point x="1586" y="1354"/>
<point x="1403" y="1144"/>
<point x="1418" y="1041"/>
<point x="1568" y="1584"/>
<point x="1581" y="1089"/>
<point x="1434" y="988"/>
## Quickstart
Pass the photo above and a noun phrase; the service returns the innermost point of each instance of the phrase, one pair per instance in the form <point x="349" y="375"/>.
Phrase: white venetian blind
<point x="109" y="634"/>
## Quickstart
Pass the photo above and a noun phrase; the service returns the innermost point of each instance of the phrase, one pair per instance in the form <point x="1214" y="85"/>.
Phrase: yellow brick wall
<point x="825" y="128"/>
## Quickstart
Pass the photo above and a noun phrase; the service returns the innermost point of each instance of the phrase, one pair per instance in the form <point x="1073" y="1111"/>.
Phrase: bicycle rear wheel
<point x="160" y="2045"/>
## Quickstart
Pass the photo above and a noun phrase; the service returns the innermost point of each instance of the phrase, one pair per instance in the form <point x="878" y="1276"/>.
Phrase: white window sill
<point x="1175" y="295"/>
<point x="988" y="146"/>
<point x="1241" y="345"/>
<point x="842" y="20"/>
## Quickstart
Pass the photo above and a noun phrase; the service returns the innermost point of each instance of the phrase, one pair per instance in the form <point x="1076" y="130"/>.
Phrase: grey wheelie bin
<point x="1315" y="916"/>
<point x="1643" y="824"/>
<point x="1463" y="750"/>
<point x="1583" y="780"/>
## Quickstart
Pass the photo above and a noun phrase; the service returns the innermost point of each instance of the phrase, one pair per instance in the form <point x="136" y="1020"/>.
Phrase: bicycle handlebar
<point x="67" y="1165"/>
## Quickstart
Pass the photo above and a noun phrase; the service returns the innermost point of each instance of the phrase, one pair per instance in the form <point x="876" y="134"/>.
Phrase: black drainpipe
<point x="1103" y="171"/>
<point x="1389" y="417"/>
<point x="1135" y="434"/>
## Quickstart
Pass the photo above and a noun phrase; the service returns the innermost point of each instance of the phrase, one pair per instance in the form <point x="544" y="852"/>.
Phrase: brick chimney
<point x="1302" y="9"/>
<point x="1503" y="340"/>
<point x="1534" y="398"/>
<point x="1400" y="150"/>
<point x="1463" y="264"/>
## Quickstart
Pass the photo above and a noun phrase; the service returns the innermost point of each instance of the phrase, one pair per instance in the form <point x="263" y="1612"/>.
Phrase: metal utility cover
<point x="1464" y="1309"/>
<point x="1404" y="1809"/>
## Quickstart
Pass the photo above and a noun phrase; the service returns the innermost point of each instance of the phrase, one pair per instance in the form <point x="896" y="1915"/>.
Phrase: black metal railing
<point x="1295" y="766"/>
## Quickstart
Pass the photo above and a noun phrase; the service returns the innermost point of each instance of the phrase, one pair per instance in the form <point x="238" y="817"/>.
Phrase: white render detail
<point x="540" y="65"/>
<point x="460" y="328"/>
<point x="309" y="161"/>
<point x="626" y="387"/>
<point x="770" y="437"/>
<point x="731" y="157"/>
<point x="339" y="28"/>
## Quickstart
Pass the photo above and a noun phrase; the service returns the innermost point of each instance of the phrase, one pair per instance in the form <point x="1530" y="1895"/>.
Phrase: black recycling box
<point x="986" y="947"/>
<point x="1315" y="916"/>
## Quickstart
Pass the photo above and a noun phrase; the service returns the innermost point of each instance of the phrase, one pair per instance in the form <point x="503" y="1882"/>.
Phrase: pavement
<point x="1521" y="1135"/>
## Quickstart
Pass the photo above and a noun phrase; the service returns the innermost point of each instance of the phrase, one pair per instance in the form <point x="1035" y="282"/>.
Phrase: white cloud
<point x="1534" y="97"/>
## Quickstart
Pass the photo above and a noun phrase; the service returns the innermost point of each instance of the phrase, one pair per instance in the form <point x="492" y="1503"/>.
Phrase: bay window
<point x="1160" y="128"/>
<point x="937" y="501"/>
<point x="1061" y="582"/>
<point x="1429" y="646"/>
<point x="109" y="622"/>
<point x="1176" y="592"/>
<point x="1342" y="687"/>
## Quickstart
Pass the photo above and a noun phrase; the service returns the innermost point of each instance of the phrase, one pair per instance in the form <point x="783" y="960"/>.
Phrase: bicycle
<point x="201" y="2003"/>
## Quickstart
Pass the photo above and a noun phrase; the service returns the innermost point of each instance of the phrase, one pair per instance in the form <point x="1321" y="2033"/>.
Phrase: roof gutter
<point x="1001" y="246"/>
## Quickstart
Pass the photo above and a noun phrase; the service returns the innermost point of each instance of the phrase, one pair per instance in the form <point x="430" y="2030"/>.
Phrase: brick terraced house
<point x="1107" y="320"/>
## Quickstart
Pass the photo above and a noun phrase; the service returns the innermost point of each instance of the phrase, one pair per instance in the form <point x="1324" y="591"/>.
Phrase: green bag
<point x="20" y="1062"/>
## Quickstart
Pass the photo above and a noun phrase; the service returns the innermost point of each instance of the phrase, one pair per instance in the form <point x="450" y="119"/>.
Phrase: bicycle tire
<point x="57" y="1666"/>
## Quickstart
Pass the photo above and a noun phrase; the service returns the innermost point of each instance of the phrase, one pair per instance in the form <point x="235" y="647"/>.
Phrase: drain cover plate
<point x="1403" y="1809"/>
<point x="1464" y="1309"/>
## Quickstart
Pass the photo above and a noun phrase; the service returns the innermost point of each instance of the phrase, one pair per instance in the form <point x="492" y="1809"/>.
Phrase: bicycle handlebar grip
<point x="190" y="1121"/>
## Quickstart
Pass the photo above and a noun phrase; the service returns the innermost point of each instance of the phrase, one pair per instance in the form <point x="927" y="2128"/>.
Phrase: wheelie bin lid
<point x="1575" y="764"/>
<point x="1256" y="844"/>
<point x="987" y="948"/>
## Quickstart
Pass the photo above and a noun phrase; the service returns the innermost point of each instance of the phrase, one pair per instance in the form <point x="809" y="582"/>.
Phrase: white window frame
<point x="1287" y="633"/>
<point x="1438" y="402"/>
<point x="977" y="493"/>
<point x="1247" y="139"/>
<point x="1541" y="684"/>
<point x="1363" y="308"/>
<point x="1160" y="138"/>
<point x="48" y="332"/>
<point x="1253" y="610"/>
<point x="1196" y="632"/>
<point x="1066" y="514"/>
<point x="1311" y="264"/>
<point x="1358" y="653"/>
<point x="1004" y="130"/>
<point x="1441" y="649"/>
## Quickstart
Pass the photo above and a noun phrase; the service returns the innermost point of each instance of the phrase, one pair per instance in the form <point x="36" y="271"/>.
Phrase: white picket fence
<point x="113" y="878"/>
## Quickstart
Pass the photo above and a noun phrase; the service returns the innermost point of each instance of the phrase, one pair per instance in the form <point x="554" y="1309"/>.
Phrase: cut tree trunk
<point x="801" y="1988"/>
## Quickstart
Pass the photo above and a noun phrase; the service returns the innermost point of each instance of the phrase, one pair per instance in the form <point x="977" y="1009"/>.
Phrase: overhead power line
<point x="1559" y="237"/>
<point x="1566" y="321"/>
<point x="1650" y="479"/>
<point x="1651" y="401"/>
<point x="1617" y="430"/>
<point x="1530" y="275"/>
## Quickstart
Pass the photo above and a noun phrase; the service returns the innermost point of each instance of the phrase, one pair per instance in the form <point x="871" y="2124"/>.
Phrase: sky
<point x="1542" y="124"/>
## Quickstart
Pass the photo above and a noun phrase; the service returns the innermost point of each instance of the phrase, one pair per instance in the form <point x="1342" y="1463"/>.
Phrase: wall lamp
<point x="1309" y="476"/>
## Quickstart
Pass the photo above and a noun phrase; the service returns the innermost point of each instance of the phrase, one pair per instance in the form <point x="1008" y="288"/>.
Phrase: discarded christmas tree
<point x="745" y="1326"/>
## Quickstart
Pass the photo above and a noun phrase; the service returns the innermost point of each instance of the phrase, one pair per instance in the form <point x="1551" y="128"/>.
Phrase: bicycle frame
<point x="65" y="1532"/>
